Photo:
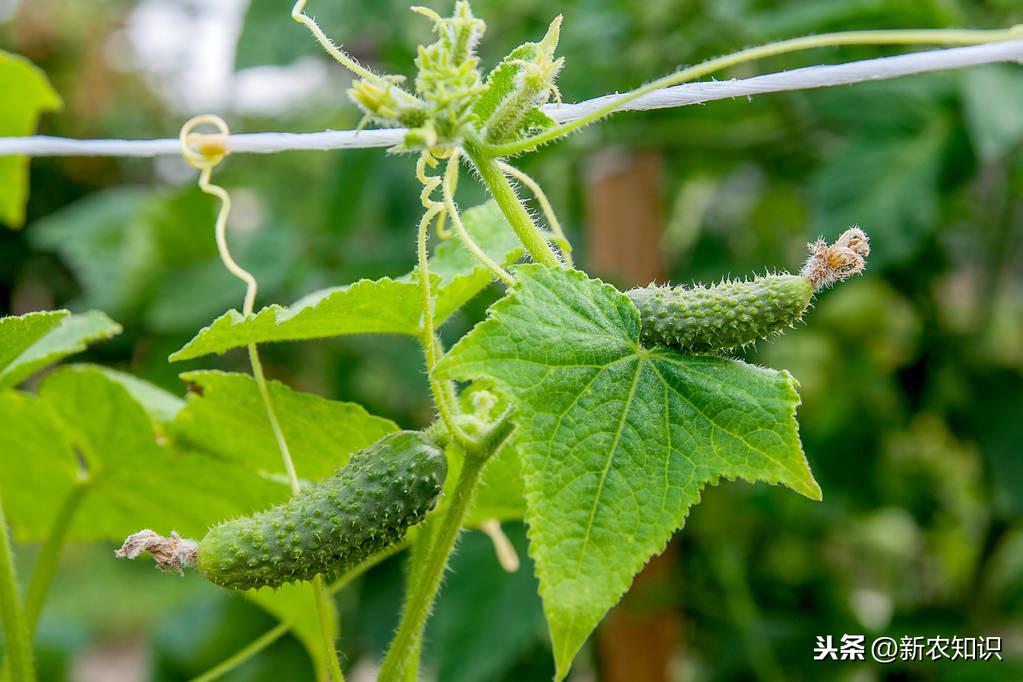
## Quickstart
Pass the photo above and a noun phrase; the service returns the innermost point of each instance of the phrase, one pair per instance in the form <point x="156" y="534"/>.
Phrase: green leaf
<point x="37" y="340"/>
<point x="161" y="406"/>
<point x="226" y="418"/>
<point x="617" y="441"/>
<point x="297" y="600"/>
<point x="86" y="429"/>
<point x="18" y="333"/>
<point x="383" y="306"/>
<point x="38" y="467"/>
<point x="27" y="94"/>
<point x="888" y="185"/>
<point x="108" y="245"/>
<point x="991" y="97"/>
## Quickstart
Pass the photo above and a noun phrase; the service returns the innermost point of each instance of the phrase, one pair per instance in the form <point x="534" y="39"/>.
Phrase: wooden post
<point x="625" y="221"/>
<point x="625" y="216"/>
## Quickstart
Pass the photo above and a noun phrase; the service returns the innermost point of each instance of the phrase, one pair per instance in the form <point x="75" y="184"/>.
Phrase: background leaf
<point x="994" y="118"/>
<point x="19" y="332"/>
<point x="38" y="467"/>
<point x="867" y="180"/>
<point x="86" y="429"/>
<point x="383" y="306"/>
<point x="224" y="416"/>
<point x="27" y="94"/>
<point x="72" y="334"/>
<point x="617" y="441"/>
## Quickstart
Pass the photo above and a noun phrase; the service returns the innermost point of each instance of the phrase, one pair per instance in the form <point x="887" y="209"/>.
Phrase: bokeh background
<point x="912" y="376"/>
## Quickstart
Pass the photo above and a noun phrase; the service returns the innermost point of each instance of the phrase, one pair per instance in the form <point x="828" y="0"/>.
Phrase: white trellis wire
<point x="677" y="96"/>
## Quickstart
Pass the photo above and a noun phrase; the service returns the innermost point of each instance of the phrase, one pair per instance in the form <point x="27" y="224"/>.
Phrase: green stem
<point x="498" y="185"/>
<point x="16" y="639"/>
<point x="426" y="584"/>
<point x="324" y="613"/>
<point x="884" y="37"/>
<point x="428" y="339"/>
<point x="49" y="555"/>
<point x="417" y="560"/>
<point x="282" y="628"/>
<point x="450" y="180"/>
<point x="559" y="237"/>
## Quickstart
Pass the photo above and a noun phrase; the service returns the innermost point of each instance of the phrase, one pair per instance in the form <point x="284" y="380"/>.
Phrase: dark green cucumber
<point x="707" y="319"/>
<point x="330" y="526"/>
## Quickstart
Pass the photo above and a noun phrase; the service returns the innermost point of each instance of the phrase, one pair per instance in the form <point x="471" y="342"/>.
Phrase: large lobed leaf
<point x="384" y="306"/>
<point x="30" y="342"/>
<point x="26" y="95"/>
<point x="616" y="441"/>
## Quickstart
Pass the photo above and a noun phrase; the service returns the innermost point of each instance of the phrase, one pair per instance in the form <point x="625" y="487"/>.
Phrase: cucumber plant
<point x="596" y="415"/>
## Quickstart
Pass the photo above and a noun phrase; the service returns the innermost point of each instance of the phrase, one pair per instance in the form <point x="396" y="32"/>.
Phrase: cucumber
<point x="330" y="526"/>
<point x="706" y="319"/>
<point x="719" y="317"/>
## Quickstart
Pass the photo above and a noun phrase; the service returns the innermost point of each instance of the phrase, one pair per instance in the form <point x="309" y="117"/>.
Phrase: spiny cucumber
<point x="328" y="527"/>
<point x="704" y="319"/>
<point x="719" y="317"/>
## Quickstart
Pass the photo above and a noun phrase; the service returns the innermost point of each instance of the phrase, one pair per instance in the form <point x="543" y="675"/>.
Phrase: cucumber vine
<point x="614" y="409"/>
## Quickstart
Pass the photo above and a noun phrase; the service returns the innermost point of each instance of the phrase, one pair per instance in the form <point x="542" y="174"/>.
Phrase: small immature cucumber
<point x="709" y="319"/>
<point x="704" y="319"/>
<point x="330" y="526"/>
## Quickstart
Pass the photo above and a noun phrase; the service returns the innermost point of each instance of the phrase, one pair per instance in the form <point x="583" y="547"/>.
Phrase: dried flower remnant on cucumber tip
<point x="832" y="263"/>
<point x="173" y="553"/>
<point x="734" y="313"/>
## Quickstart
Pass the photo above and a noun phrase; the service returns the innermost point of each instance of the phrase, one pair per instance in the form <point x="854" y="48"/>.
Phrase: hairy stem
<point x="339" y="55"/>
<point x="49" y="555"/>
<point x="431" y="347"/>
<point x="498" y="185"/>
<point x="426" y="583"/>
<point x="416" y="562"/>
<point x="545" y="205"/>
<point x="883" y="37"/>
<point x="324" y="613"/>
<point x="16" y="639"/>
<point x="450" y="180"/>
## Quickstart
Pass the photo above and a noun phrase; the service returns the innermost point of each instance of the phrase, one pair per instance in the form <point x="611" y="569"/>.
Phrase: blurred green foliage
<point x="912" y="377"/>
